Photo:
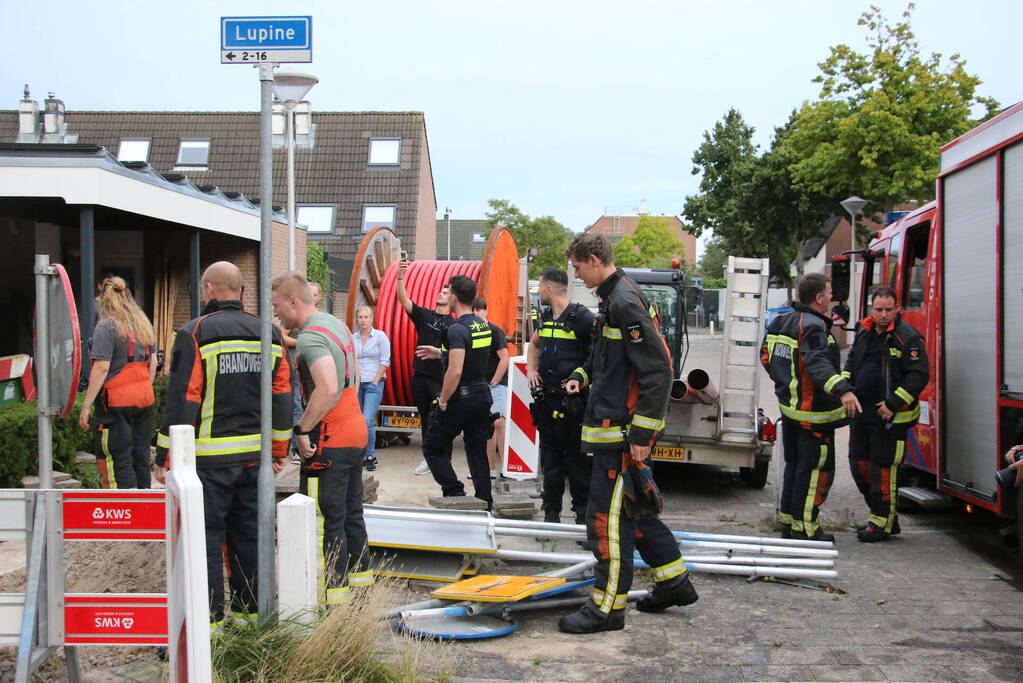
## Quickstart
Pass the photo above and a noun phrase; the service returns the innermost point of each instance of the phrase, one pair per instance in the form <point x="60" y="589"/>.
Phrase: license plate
<point x="669" y="453"/>
<point x="398" y="421"/>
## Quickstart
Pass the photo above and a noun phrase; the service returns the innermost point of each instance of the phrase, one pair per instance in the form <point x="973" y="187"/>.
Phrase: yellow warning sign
<point x="489" y="588"/>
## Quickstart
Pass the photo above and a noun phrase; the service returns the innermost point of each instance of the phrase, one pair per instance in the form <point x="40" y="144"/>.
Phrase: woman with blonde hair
<point x="123" y="369"/>
<point x="373" y="349"/>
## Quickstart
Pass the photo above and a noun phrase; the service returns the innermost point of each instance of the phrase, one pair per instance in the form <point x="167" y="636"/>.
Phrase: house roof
<point x="335" y="171"/>
<point x="813" y="245"/>
<point x="462" y="245"/>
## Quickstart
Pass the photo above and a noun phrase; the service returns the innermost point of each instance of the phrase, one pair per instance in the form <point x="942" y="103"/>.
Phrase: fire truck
<point x="957" y="266"/>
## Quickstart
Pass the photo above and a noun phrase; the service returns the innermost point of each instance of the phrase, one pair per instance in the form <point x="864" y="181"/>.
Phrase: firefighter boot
<point x="675" y="591"/>
<point x="552" y="516"/>
<point x="872" y="534"/>
<point x="819" y="535"/>
<point x="894" y="532"/>
<point x="589" y="619"/>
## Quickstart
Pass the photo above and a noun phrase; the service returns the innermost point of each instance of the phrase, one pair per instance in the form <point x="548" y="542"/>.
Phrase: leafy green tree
<point x="550" y="237"/>
<point x="316" y="266"/>
<point x="713" y="259"/>
<point x="652" y="245"/>
<point x="882" y="117"/>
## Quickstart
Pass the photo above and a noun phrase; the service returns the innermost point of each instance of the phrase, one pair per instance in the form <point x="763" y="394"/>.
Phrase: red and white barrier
<point x="521" y="442"/>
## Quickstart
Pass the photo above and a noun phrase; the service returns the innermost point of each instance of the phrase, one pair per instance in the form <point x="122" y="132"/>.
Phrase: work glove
<point x="642" y="498"/>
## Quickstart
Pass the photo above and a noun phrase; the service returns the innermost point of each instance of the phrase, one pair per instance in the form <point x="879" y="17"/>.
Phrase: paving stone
<point x="457" y="503"/>
<point x="32" y="481"/>
<point x="68" y="484"/>
<point x="515" y="514"/>
<point x="83" y="458"/>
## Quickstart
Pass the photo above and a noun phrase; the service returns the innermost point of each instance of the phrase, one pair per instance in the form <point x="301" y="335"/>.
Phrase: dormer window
<point x="133" y="149"/>
<point x="385" y="151"/>
<point x="194" y="153"/>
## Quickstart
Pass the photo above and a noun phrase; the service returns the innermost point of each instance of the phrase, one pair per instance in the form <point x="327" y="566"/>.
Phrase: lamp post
<point x="290" y="89"/>
<point x="447" y="219"/>
<point x="854" y="205"/>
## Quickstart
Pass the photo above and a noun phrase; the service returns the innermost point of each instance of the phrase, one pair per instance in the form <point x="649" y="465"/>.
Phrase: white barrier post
<point x="297" y="587"/>
<point x="521" y="441"/>
<point x="188" y="611"/>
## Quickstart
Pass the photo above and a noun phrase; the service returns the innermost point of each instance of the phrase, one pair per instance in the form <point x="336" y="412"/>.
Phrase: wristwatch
<point x="298" y="432"/>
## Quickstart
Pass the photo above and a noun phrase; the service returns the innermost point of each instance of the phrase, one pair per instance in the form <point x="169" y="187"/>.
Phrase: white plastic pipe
<point x="778" y="572"/>
<point x="700" y="558"/>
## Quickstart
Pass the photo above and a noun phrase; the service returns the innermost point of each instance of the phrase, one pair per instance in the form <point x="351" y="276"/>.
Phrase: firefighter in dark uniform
<point x="887" y="364"/>
<point x="559" y="345"/>
<point x="463" y="405"/>
<point x="214" y="385"/>
<point x="802" y="358"/>
<point x="629" y="375"/>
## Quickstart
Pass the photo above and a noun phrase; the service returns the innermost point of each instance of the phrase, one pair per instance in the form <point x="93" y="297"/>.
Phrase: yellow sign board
<point x="490" y="588"/>
<point x="668" y="453"/>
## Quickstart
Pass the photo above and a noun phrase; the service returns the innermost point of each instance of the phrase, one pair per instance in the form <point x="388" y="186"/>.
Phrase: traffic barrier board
<point x="131" y="619"/>
<point x="115" y="515"/>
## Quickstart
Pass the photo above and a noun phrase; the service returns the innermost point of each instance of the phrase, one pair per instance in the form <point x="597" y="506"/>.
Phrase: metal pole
<point x="42" y="364"/>
<point x="193" y="275"/>
<point x="447" y="217"/>
<point x="87" y="245"/>
<point x="265" y="545"/>
<point x="291" y="186"/>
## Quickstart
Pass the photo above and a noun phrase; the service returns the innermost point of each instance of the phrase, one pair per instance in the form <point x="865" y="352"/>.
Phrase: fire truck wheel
<point x="755" y="477"/>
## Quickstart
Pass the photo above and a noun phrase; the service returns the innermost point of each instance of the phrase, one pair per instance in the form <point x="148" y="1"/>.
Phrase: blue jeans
<point x="370" y="395"/>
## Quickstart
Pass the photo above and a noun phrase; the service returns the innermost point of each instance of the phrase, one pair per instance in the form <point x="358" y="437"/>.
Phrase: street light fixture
<point x="290" y="89"/>
<point x="854" y="205"/>
<point x="447" y="219"/>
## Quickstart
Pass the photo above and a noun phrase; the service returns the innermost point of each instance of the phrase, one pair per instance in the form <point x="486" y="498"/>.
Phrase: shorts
<point x="499" y="397"/>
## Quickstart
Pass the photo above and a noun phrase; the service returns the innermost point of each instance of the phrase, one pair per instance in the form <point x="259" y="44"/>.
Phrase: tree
<point x="882" y="117"/>
<point x="316" y="266"/>
<point x="714" y="259"/>
<point x="652" y="245"/>
<point x="550" y="237"/>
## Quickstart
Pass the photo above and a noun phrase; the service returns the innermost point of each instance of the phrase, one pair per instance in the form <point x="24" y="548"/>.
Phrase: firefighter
<point x="331" y="435"/>
<point x="559" y="345"/>
<point x="123" y="368"/>
<point x="887" y="364"/>
<point x="214" y="385"/>
<point x="629" y="374"/>
<point x="463" y="405"/>
<point x="802" y="357"/>
<point x="427" y="372"/>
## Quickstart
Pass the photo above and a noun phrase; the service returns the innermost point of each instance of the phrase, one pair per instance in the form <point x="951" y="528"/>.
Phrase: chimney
<point x="28" y="118"/>
<point x="644" y="208"/>
<point x="53" y="119"/>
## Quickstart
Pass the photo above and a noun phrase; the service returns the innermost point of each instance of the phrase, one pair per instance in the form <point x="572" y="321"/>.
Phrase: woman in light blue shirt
<point x="373" y="349"/>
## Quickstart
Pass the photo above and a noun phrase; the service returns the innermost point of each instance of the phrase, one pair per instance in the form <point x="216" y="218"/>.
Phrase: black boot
<point x="580" y="518"/>
<point x="819" y="535"/>
<point x="553" y="516"/>
<point x="786" y="532"/>
<point x="894" y="532"/>
<point x="872" y="534"/>
<point x="676" y="591"/>
<point x="589" y="619"/>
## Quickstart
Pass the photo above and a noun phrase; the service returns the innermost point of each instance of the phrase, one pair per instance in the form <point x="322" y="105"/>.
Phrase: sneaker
<point x="371" y="465"/>
<point x="676" y="591"/>
<point x="493" y="474"/>
<point x="423" y="468"/>
<point x="296" y="458"/>
<point x="589" y="619"/>
<point x="872" y="534"/>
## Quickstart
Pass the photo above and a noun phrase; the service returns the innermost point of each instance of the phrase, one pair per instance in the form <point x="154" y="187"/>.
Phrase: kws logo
<point x="124" y="623"/>
<point x="111" y="513"/>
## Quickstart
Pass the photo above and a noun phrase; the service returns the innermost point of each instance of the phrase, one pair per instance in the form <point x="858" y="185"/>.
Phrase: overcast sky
<point x="564" y="108"/>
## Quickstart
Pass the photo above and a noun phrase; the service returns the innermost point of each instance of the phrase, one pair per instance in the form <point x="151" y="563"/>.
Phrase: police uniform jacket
<point x="564" y="344"/>
<point x="904" y="367"/>
<point x="214" y="385"/>
<point x="803" y="360"/>
<point x="628" y="370"/>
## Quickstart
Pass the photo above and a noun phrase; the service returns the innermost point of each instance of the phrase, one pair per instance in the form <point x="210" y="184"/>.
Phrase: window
<point x="914" y="278"/>
<point x="384" y="151"/>
<point x="893" y="258"/>
<point x="133" y="150"/>
<point x="194" y="153"/>
<point x="479" y="238"/>
<point x="316" y="217"/>
<point x="374" y="216"/>
<point x="873" y="276"/>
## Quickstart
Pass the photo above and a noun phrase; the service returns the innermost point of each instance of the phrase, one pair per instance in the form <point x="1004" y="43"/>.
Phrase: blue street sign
<point x="244" y="40"/>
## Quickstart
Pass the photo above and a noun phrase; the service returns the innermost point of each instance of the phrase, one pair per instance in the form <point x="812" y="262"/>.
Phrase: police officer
<point x="887" y="363"/>
<point x="215" y="366"/>
<point x="629" y="374"/>
<point x="802" y="357"/>
<point x="558" y="346"/>
<point x="427" y="372"/>
<point x="463" y="405"/>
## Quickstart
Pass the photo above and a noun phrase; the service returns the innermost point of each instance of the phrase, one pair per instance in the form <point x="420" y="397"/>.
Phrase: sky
<point x="563" y="107"/>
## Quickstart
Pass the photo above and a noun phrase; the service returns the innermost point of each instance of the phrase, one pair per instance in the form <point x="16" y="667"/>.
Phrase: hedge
<point x="19" y="438"/>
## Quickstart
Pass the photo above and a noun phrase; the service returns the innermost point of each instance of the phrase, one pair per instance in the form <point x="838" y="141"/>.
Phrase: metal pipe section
<point x="540" y="556"/>
<point x="42" y="366"/>
<point x="265" y="544"/>
<point x="87" y="245"/>
<point x="752" y="572"/>
<point x="701" y="387"/>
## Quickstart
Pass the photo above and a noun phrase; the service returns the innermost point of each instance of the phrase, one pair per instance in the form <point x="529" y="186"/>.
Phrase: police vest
<point x="479" y="339"/>
<point x="560" y="349"/>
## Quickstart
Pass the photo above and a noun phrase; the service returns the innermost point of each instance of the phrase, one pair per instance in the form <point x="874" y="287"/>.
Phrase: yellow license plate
<point x="669" y="453"/>
<point x="397" y="421"/>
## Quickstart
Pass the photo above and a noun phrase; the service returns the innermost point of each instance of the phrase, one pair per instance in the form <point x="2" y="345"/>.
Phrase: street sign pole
<point x="266" y="541"/>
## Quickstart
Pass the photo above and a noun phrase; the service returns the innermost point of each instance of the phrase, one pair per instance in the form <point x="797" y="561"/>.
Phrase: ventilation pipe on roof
<point x="53" y="119"/>
<point x="28" y="118"/>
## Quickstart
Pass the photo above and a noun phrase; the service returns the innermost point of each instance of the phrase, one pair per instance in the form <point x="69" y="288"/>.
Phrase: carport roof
<point x="89" y="175"/>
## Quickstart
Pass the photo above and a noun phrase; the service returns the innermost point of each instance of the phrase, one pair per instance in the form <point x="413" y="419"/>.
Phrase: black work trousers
<point x="809" y="473"/>
<point x="875" y="454"/>
<point x="614" y="536"/>
<point x="333" y="478"/>
<point x="124" y="435"/>
<point x="561" y="457"/>
<point x="230" y="503"/>
<point x="470" y="416"/>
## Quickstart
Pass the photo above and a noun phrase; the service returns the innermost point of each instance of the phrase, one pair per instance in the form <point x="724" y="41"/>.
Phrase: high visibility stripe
<point x="895" y="352"/>
<point x="612" y="332"/>
<point x="809" y="525"/>
<point x="210" y="353"/>
<point x="216" y="627"/>
<point x="602" y="434"/>
<point x="235" y="346"/>
<point x="832" y="381"/>
<point x="670" y="570"/>
<point x="793" y="385"/>
<point x="907" y="415"/>
<point x="904" y="395"/>
<point x="846" y="374"/>
<point x="206" y="411"/>
<point x="109" y="459"/>
<point x="785" y="518"/>
<point x="365" y="578"/>
<point x="162" y="440"/>
<point x="586" y="378"/>
<point x="620" y="600"/>
<point x="556" y="333"/>
<point x="224" y="445"/>
<point x="814" y="417"/>
<point x="614" y="547"/>
<point x="481" y="343"/>
<point x="281" y="435"/>
<point x="783" y="339"/>
<point x="337" y="596"/>
<point x="647" y="422"/>
<point x="877" y="521"/>
<point x="244" y="620"/>
<point x="893" y="483"/>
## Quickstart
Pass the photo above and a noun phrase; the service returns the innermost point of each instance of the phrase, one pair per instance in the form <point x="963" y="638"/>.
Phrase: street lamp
<point x="290" y="89"/>
<point x="854" y="205"/>
<point x="447" y="218"/>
